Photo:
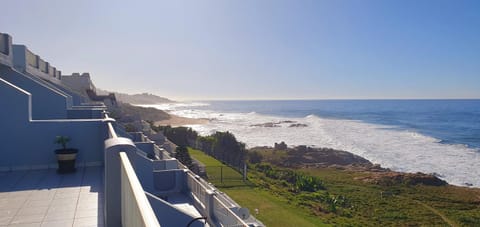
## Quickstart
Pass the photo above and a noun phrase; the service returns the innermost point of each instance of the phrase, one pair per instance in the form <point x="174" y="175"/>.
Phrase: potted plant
<point x="65" y="156"/>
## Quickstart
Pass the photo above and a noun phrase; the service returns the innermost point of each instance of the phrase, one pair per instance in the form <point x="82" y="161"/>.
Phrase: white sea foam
<point x="393" y="148"/>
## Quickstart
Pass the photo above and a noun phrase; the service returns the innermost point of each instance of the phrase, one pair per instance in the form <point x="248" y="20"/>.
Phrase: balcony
<point x="45" y="198"/>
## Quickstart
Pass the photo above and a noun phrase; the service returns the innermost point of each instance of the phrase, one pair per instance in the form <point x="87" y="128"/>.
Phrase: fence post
<point x="244" y="171"/>
<point x="221" y="174"/>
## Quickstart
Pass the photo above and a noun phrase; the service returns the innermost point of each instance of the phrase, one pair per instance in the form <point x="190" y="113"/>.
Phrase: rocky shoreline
<point x="303" y="157"/>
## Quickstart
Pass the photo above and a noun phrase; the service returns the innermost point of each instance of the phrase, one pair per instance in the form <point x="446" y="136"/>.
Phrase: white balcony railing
<point x="111" y="131"/>
<point x="136" y="210"/>
<point x="226" y="216"/>
<point x="198" y="189"/>
<point x="208" y="198"/>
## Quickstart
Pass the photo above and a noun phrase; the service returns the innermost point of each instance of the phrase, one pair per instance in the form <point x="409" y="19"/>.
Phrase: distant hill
<point x="144" y="98"/>
<point x="127" y="113"/>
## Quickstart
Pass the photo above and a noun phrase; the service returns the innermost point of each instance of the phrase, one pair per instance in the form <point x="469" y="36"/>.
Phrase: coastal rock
<point x="280" y="146"/>
<point x="328" y="156"/>
<point x="298" y="125"/>
<point x="279" y="124"/>
<point x="308" y="157"/>
<point x="304" y="156"/>
<point x="287" y="122"/>
<point x="394" y="178"/>
<point x="266" y="125"/>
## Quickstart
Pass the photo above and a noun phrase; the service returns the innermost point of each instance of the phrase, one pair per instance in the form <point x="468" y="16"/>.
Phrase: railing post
<point x="209" y="204"/>
<point x="221" y="174"/>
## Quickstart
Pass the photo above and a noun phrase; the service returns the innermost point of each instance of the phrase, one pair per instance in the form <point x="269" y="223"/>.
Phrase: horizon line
<point x="327" y="99"/>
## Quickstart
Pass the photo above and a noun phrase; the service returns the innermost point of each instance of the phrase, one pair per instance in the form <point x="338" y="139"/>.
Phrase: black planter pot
<point x="66" y="160"/>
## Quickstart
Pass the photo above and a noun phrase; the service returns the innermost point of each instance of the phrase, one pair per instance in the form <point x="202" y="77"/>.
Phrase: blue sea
<point x="431" y="136"/>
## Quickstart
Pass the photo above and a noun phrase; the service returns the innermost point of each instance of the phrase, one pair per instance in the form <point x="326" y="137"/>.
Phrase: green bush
<point x="308" y="183"/>
<point x="181" y="153"/>
<point x="300" y="181"/>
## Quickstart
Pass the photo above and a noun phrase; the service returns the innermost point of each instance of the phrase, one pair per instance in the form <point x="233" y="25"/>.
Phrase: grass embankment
<point x="218" y="173"/>
<point x="400" y="204"/>
<point x="273" y="210"/>
<point x="204" y="158"/>
<point x="364" y="204"/>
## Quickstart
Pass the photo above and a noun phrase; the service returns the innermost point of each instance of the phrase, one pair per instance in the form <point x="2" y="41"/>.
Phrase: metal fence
<point x="224" y="175"/>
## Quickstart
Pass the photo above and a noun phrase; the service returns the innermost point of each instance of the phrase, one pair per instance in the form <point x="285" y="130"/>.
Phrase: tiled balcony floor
<point x="45" y="198"/>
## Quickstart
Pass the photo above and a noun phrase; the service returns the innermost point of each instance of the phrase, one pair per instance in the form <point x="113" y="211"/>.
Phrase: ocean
<point x="431" y="136"/>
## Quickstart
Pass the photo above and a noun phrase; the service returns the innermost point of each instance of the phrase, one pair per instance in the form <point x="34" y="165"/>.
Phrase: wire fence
<point x="224" y="176"/>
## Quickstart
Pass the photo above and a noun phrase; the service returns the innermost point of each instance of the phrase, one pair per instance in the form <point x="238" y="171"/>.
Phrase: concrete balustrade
<point x="136" y="209"/>
<point x="161" y="153"/>
<point x="147" y="147"/>
<point x="31" y="58"/>
<point x="42" y="65"/>
<point x="6" y="56"/>
<point x="168" y="214"/>
<point x="78" y="82"/>
<point x="87" y="113"/>
<point x="26" y="61"/>
<point x="139" y="137"/>
<point x="51" y="70"/>
<point x="165" y="164"/>
<point x="4" y="44"/>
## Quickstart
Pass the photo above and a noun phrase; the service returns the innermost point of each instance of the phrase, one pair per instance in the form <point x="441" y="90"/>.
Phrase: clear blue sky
<point x="250" y="49"/>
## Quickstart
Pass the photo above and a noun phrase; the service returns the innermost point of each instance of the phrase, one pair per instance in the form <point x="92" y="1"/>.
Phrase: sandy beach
<point x="176" y="121"/>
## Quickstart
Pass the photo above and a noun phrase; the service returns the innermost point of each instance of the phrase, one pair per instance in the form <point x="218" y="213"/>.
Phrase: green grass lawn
<point x="218" y="173"/>
<point x="204" y="158"/>
<point x="407" y="205"/>
<point x="273" y="209"/>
